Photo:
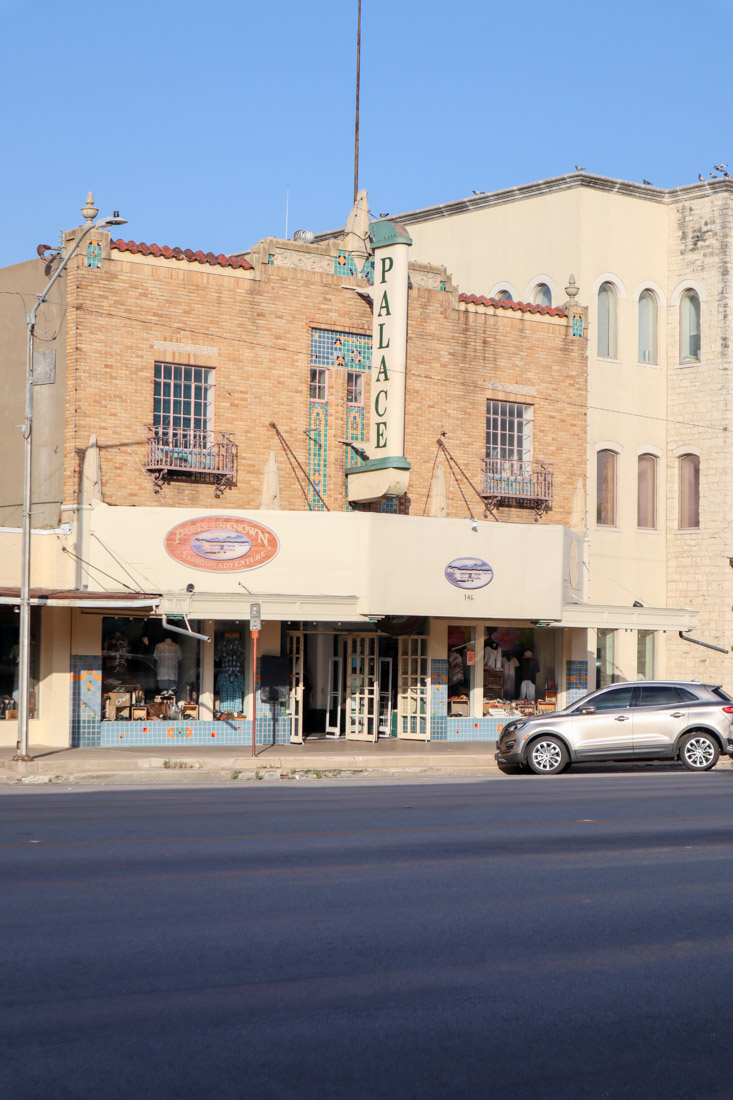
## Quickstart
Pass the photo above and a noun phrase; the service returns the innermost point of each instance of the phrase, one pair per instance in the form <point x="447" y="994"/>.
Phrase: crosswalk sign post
<point x="255" y="625"/>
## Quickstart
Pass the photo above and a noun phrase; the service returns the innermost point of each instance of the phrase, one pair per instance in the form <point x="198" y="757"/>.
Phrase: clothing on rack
<point x="230" y="689"/>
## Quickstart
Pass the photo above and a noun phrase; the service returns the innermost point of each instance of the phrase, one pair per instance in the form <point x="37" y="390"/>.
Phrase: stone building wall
<point x="699" y="419"/>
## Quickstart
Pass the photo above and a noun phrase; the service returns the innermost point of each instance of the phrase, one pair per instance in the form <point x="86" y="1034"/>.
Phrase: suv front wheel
<point x="547" y="756"/>
<point x="699" y="751"/>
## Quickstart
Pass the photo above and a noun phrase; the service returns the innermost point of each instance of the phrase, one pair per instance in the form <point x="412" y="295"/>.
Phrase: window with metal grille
<point x="355" y="387"/>
<point x="318" y="383"/>
<point x="182" y="398"/>
<point x="509" y="430"/>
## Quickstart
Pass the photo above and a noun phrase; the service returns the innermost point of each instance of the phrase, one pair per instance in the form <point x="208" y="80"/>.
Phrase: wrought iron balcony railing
<point x="512" y="482"/>
<point x="197" y="453"/>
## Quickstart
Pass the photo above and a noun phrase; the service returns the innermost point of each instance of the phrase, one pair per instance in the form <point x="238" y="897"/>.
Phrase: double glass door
<point x="367" y="695"/>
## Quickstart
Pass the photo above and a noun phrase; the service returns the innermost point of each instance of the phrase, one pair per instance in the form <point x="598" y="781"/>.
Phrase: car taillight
<point x="727" y="710"/>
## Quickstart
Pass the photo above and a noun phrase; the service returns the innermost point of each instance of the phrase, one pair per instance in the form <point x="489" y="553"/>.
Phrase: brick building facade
<point x="219" y="401"/>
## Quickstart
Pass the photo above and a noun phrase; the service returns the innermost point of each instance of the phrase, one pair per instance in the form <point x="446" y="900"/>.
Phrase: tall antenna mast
<point x="356" y="132"/>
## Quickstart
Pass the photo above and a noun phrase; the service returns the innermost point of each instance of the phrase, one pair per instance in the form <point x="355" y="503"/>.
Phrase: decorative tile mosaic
<point x="355" y="433"/>
<point x="236" y="731"/>
<point x="85" y="708"/>
<point x="438" y="699"/>
<point x="94" y="254"/>
<point x="346" y="264"/>
<point x="344" y="350"/>
<point x="576" y="680"/>
<point x="474" y="729"/>
<point x="317" y="454"/>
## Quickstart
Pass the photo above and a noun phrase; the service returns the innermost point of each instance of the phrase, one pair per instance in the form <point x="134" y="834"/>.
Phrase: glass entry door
<point x="296" y="654"/>
<point x="413" y="689"/>
<point x="334" y="697"/>
<point x="385" y="696"/>
<point x="361" y="687"/>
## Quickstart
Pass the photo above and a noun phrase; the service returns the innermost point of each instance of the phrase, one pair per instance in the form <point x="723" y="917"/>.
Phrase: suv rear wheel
<point x="547" y="756"/>
<point x="699" y="751"/>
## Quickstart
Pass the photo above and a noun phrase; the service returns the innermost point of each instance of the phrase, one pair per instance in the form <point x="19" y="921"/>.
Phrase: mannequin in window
<point x="492" y="655"/>
<point x="510" y="664"/>
<point x="167" y="656"/>
<point x="530" y="666"/>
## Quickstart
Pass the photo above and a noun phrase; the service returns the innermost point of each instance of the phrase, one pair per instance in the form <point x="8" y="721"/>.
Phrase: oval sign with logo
<point x="469" y="572"/>
<point x="222" y="544"/>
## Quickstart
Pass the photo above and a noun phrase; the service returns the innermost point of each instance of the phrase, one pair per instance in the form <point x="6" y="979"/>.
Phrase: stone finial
<point x="356" y="232"/>
<point x="572" y="289"/>
<point x="89" y="211"/>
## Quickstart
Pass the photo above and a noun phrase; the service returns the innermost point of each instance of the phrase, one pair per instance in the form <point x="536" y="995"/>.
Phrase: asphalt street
<point x="532" y="937"/>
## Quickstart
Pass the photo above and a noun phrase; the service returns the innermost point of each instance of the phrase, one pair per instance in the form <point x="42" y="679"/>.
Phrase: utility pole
<point x="27" y="429"/>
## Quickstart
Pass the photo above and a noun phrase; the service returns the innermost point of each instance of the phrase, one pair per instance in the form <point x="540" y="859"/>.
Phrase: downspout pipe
<point x="696" y="641"/>
<point x="179" y="629"/>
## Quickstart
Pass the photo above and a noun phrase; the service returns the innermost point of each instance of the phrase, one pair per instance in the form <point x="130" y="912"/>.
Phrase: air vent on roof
<point x="304" y="236"/>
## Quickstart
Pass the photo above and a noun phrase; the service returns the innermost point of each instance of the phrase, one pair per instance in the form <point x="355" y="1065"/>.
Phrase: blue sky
<point x="197" y="120"/>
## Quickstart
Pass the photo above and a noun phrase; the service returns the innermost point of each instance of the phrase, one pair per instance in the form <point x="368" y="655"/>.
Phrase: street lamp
<point x="90" y="212"/>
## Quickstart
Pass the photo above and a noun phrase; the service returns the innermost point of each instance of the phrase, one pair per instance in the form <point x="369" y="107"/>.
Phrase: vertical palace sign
<point x="386" y="472"/>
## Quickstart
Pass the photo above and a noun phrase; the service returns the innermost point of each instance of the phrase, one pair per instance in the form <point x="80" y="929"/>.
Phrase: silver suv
<point x="644" y="720"/>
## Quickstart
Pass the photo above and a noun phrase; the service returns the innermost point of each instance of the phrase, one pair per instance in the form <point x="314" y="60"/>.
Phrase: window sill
<point x="690" y="363"/>
<point x="609" y="359"/>
<point x="654" y="366"/>
<point x="648" y="530"/>
<point x="607" y="527"/>
<point x="686" y="531"/>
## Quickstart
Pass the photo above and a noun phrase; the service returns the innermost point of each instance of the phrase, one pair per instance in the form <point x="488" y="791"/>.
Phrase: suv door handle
<point x="621" y="718"/>
<point x="677" y="714"/>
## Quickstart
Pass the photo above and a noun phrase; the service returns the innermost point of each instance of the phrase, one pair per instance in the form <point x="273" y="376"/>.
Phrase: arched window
<point x="690" y="327"/>
<point x="646" y="501"/>
<point x="606" y="488"/>
<point x="689" y="491"/>
<point x="542" y="295"/>
<point x="647" y="327"/>
<point x="607" y="321"/>
<point x="503" y="296"/>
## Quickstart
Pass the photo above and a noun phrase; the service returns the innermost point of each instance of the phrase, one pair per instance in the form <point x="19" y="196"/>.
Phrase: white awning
<point x="89" y="601"/>
<point x="275" y="606"/>
<point x="616" y="617"/>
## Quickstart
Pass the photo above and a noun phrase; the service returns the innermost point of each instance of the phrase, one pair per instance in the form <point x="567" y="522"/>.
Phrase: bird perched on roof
<point x="479" y="192"/>
<point x="647" y="183"/>
<point x="579" y="169"/>
<point x="713" y="176"/>
<point x="385" y="214"/>
<point x="701" y="177"/>
<point x="720" y="167"/>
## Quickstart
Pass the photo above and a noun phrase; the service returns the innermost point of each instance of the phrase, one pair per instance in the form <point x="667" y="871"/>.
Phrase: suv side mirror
<point x="590" y="709"/>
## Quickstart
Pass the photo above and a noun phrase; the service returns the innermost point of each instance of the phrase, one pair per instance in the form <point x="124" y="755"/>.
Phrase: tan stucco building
<point x="653" y="268"/>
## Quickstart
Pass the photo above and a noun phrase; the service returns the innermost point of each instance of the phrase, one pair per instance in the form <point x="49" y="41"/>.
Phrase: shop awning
<point x="275" y="606"/>
<point x="616" y="617"/>
<point x="82" y="597"/>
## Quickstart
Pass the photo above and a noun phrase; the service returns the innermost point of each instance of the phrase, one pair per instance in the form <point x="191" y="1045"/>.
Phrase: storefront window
<point x="148" y="672"/>
<point x="518" y="669"/>
<point x="9" y="661"/>
<point x="645" y="655"/>
<point x="461" y="667"/>
<point x="229" y="668"/>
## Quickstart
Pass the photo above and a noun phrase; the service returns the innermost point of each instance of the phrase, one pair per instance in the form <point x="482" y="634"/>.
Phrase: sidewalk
<point x="312" y="760"/>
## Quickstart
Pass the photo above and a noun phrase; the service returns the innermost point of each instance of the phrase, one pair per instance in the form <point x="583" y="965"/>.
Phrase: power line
<point x="441" y="379"/>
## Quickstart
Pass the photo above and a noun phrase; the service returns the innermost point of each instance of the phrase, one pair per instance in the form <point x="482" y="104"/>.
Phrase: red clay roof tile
<point x="181" y="254"/>
<point x="501" y="303"/>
